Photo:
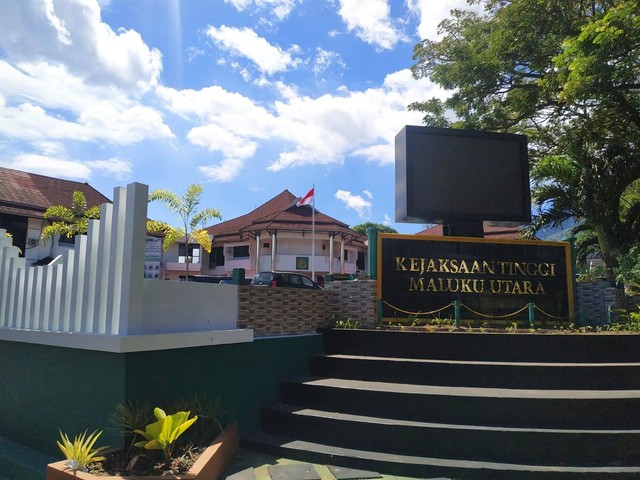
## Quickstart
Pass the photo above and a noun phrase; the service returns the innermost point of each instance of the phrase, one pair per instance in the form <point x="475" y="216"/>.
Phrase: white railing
<point x="98" y="288"/>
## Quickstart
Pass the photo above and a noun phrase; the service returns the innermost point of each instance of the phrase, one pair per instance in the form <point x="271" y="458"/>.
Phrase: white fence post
<point x="127" y="296"/>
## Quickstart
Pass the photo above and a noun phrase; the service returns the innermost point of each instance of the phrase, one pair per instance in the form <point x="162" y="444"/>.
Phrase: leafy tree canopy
<point x="69" y="221"/>
<point x="363" y="227"/>
<point x="565" y="73"/>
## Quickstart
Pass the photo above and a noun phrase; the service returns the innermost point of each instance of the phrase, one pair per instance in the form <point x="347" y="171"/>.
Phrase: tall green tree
<point x="565" y="73"/>
<point x="69" y="221"/>
<point x="192" y="220"/>
<point x="363" y="227"/>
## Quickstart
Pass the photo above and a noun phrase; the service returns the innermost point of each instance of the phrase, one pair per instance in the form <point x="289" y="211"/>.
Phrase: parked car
<point x="201" y="278"/>
<point x="229" y="281"/>
<point x="280" y="279"/>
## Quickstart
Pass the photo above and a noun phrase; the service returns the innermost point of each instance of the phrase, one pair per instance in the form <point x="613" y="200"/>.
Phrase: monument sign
<point x="491" y="279"/>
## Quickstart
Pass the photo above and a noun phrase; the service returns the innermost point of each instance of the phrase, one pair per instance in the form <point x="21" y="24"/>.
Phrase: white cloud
<point x="100" y="121"/>
<point x="321" y="131"/>
<point x="72" y="34"/>
<point x="368" y="194"/>
<point x="52" y="160"/>
<point x="325" y="59"/>
<point x="371" y="22"/>
<point x="355" y="202"/>
<point x="386" y="219"/>
<point x="364" y="123"/>
<point x="279" y="8"/>
<point x="66" y="75"/>
<point x="235" y="150"/>
<point x="50" y="166"/>
<point x="113" y="167"/>
<point x="431" y="13"/>
<point x="245" y="42"/>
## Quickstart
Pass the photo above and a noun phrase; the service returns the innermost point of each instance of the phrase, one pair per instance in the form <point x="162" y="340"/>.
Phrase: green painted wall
<point x="43" y="388"/>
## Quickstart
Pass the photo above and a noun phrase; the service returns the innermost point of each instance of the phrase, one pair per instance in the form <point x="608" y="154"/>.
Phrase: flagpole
<point x="313" y="235"/>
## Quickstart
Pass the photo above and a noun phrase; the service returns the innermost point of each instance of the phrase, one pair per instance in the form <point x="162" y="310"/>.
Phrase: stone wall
<point x="287" y="311"/>
<point x="354" y="300"/>
<point x="282" y="311"/>
<point x="594" y="298"/>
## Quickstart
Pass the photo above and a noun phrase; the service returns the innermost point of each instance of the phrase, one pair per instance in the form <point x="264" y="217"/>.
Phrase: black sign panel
<point x="491" y="278"/>
<point x="447" y="174"/>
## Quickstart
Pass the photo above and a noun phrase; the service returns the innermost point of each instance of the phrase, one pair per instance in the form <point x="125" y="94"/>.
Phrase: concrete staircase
<point x="464" y="405"/>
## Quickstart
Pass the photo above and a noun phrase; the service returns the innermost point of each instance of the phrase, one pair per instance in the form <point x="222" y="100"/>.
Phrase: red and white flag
<point x="306" y="200"/>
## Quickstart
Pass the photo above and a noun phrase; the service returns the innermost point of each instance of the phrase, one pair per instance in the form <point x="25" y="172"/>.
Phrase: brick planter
<point x="210" y="464"/>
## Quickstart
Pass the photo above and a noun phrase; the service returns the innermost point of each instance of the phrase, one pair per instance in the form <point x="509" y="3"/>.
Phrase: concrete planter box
<point x="210" y="464"/>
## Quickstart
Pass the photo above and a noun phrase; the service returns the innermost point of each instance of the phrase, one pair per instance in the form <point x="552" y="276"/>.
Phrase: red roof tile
<point x="489" y="232"/>
<point x="280" y="213"/>
<point x="29" y="194"/>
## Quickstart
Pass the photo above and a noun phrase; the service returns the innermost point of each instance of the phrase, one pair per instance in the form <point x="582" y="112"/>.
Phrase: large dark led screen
<point x="449" y="174"/>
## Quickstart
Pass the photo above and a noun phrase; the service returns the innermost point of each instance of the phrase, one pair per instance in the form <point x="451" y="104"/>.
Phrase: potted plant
<point x="160" y="455"/>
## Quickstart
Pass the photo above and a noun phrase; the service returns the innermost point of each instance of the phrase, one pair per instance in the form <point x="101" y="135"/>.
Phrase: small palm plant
<point x="80" y="452"/>
<point x="161" y="434"/>
<point x="193" y="221"/>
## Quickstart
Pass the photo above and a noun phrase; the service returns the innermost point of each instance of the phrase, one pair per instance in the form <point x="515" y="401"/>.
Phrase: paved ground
<point x="261" y="462"/>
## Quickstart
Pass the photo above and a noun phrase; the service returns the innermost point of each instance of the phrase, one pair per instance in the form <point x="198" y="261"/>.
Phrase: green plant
<point x="513" y="327"/>
<point x="209" y="413"/>
<point x="440" y="322"/>
<point x="161" y="435"/>
<point x="69" y="221"/>
<point x="346" y="323"/>
<point x="187" y="209"/>
<point x="80" y="452"/>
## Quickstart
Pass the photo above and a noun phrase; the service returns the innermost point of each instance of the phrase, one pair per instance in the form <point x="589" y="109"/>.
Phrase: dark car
<point x="201" y="278"/>
<point x="278" y="279"/>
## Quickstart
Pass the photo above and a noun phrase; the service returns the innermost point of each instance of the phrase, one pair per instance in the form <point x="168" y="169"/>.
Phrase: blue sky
<point x="246" y="97"/>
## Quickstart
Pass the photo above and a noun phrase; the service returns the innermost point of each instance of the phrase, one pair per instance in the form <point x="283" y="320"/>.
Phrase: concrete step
<point x="561" y="409"/>
<point x="430" y="467"/>
<point x="462" y="442"/>
<point x="494" y="347"/>
<point x="488" y="374"/>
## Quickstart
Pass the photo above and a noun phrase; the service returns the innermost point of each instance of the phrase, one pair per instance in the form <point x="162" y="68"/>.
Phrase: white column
<point x="257" y="262"/>
<point x="7" y="252"/>
<point x="330" y="253"/>
<point x="92" y="269"/>
<point x="132" y="239"/>
<point x="104" y="283"/>
<point x="273" y="252"/>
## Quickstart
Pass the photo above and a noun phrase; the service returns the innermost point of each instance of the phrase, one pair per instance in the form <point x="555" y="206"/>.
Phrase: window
<point x="241" y="251"/>
<point x="216" y="257"/>
<point x="360" y="261"/>
<point x="194" y="253"/>
<point x="64" y="240"/>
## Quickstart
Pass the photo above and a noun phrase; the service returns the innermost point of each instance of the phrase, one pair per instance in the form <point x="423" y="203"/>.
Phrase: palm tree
<point x="193" y="221"/>
<point x="69" y="221"/>
<point x="591" y="185"/>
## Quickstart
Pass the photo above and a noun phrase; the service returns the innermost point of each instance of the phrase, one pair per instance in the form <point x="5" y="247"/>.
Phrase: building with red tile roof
<point x="25" y="196"/>
<point x="277" y="236"/>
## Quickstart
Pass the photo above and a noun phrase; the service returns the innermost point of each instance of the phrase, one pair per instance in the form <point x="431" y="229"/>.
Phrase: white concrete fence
<point x="95" y="296"/>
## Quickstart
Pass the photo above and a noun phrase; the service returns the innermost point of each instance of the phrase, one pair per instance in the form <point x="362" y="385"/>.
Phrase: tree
<point x="567" y="75"/>
<point x="69" y="221"/>
<point x="187" y="209"/>
<point x="363" y="227"/>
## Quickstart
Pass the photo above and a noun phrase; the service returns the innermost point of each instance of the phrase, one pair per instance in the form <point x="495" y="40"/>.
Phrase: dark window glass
<point x="241" y="252"/>
<point x="216" y="257"/>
